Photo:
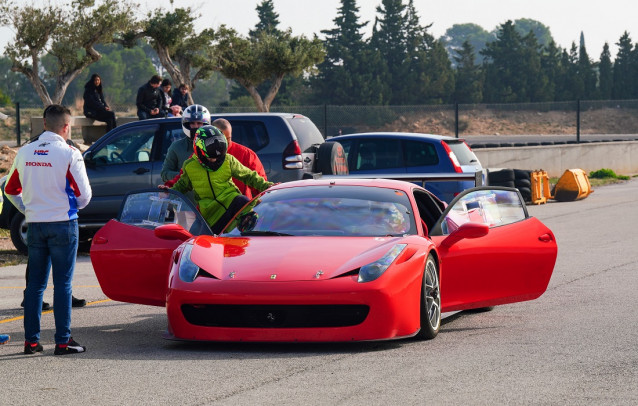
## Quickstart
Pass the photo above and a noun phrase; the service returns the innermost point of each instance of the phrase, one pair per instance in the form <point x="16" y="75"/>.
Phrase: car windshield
<point x="327" y="211"/>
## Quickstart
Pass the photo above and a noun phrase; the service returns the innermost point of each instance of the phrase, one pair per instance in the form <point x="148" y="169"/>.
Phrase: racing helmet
<point x="194" y="112"/>
<point x="210" y="142"/>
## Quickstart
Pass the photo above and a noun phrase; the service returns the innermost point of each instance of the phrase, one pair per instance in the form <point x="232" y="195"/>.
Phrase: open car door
<point x="130" y="261"/>
<point x="492" y="252"/>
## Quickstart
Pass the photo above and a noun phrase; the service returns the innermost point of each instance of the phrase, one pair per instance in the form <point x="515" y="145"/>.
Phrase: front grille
<point x="275" y="316"/>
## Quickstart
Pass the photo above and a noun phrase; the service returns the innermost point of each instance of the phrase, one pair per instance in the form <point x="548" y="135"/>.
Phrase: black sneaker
<point x="45" y="305"/>
<point x="75" y="302"/>
<point x="32" y="348"/>
<point x="71" y="347"/>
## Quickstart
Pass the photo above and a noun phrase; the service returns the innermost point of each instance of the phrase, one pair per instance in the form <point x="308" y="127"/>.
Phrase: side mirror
<point x="467" y="230"/>
<point x="172" y="232"/>
<point x="88" y="160"/>
<point x="143" y="156"/>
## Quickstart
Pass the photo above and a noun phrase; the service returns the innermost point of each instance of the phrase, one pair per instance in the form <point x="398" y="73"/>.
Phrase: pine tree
<point x="268" y="20"/>
<point x="476" y="35"/>
<point x="502" y="66"/>
<point x="605" y="74"/>
<point x="623" y="78"/>
<point x="552" y="68"/>
<point x="388" y="38"/>
<point x="468" y="76"/>
<point x="342" y="77"/>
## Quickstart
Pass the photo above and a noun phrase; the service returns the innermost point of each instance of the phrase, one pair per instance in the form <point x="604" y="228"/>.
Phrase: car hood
<point x="287" y="258"/>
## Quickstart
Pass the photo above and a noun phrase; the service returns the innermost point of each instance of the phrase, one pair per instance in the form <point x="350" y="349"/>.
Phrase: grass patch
<point x="607" y="173"/>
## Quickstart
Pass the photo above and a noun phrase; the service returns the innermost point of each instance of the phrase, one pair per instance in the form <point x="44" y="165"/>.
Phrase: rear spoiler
<point x="422" y="178"/>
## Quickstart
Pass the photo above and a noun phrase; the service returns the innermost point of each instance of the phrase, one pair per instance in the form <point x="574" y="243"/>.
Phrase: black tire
<point x="430" y="310"/>
<point x="526" y="193"/>
<point x="522" y="174"/>
<point x="499" y="176"/>
<point x="332" y="159"/>
<point x="520" y="183"/>
<point x="19" y="233"/>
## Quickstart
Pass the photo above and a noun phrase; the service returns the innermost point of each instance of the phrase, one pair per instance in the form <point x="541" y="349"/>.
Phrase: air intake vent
<point x="275" y="316"/>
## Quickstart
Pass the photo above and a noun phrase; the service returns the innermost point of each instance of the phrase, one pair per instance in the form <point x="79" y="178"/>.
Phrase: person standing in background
<point x="48" y="184"/>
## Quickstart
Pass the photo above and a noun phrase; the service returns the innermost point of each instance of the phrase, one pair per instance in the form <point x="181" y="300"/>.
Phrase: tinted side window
<point x="129" y="146"/>
<point x="171" y="135"/>
<point x="378" y="154"/>
<point x="420" y="154"/>
<point x="251" y="134"/>
<point x="306" y="131"/>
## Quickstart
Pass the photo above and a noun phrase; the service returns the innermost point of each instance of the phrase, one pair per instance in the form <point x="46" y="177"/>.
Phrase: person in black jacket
<point x="149" y="99"/>
<point x="95" y="106"/>
<point x="180" y="96"/>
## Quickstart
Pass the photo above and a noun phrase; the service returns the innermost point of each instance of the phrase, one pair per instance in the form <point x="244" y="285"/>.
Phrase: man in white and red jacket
<point x="48" y="183"/>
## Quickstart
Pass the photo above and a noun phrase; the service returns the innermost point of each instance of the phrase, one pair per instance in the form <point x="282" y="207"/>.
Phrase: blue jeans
<point x="54" y="246"/>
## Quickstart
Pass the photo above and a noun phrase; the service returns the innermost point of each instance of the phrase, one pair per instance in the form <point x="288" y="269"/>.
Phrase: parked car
<point x="340" y="259"/>
<point x="130" y="157"/>
<point x="394" y="153"/>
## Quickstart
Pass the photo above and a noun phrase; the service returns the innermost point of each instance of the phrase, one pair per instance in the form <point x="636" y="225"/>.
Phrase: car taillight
<point x="455" y="161"/>
<point x="292" y="158"/>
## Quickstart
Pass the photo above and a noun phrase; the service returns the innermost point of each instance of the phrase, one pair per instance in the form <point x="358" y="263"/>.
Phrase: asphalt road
<point x="576" y="344"/>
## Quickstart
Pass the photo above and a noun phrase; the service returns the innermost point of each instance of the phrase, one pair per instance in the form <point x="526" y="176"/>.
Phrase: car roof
<point x="216" y="115"/>
<point x="349" y="181"/>
<point x="402" y="135"/>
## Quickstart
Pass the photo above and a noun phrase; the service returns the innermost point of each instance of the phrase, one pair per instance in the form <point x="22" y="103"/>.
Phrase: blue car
<point x="405" y="153"/>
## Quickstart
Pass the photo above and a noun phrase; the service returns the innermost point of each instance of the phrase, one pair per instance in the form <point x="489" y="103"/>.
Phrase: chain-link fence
<point x="605" y="118"/>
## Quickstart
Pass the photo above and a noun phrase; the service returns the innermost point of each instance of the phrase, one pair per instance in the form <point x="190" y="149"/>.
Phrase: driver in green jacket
<point x="209" y="173"/>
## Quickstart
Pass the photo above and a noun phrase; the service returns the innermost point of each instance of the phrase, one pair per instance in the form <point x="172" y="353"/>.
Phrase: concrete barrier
<point x="621" y="157"/>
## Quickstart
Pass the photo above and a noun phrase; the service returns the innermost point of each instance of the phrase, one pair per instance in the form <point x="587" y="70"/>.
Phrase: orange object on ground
<point x="573" y="185"/>
<point x="540" y="186"/>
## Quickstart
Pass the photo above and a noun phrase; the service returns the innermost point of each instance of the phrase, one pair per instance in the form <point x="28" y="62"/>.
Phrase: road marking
<point x="51" y="311"/>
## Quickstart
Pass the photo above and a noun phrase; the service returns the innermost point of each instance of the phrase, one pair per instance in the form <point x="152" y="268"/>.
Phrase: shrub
<point x="606" y="173"/>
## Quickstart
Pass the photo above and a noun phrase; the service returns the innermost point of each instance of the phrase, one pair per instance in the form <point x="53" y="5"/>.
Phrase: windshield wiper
<point x="256" y="233"/>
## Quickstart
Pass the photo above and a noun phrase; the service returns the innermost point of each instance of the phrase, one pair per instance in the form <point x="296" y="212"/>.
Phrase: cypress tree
<point x="586" y="70"/>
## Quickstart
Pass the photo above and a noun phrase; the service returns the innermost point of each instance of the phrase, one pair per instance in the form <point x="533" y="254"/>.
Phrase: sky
<point x="599" y="21"/>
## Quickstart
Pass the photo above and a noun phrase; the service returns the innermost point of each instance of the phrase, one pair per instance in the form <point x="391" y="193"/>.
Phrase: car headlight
<point x="187" y="269"/>
<point x="375" y="269"/>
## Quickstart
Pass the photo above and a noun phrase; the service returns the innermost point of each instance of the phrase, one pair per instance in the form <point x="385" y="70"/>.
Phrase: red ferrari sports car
<point x="324" y="260"/>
